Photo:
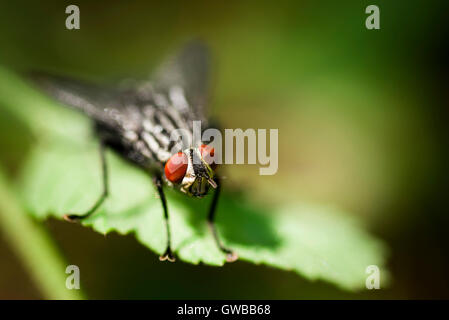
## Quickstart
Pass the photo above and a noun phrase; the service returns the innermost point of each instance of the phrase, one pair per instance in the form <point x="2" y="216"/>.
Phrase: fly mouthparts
<point x="212" y="183"/>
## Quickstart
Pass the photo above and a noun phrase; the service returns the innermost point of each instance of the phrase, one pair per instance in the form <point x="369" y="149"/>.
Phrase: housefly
<point x="136" y="119"/>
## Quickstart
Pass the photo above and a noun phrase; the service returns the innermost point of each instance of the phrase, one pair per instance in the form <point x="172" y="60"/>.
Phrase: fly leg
<point x="104" y="194"/>
<point x="230" y="255"/>
<point x="168" y="255"/>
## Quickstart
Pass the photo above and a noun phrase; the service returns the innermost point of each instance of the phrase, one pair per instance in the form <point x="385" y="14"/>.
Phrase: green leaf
<point x="62" y="175"/>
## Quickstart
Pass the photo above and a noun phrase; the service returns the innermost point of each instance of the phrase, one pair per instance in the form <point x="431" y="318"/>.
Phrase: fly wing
<point x="173" y="98"/>
<point x="185" y="79"/>
<point x="106" y="105"/>
<point x="182" y="79"/>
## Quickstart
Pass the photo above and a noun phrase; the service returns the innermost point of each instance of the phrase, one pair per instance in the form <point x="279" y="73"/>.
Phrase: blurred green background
<point x="361" y="117"/>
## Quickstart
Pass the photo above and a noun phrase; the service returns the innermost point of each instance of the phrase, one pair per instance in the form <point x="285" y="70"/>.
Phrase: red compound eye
<point x="207" y="152"/>
<point x="176" y="167"/>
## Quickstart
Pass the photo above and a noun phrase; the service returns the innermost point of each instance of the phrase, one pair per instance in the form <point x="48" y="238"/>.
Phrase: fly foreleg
<point x="168" y="255"/>
<point x="103" y="196"/>
<point x="230" y="255"/>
